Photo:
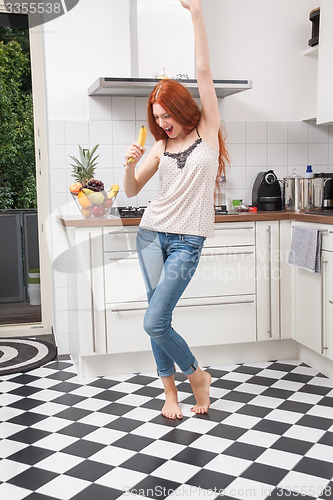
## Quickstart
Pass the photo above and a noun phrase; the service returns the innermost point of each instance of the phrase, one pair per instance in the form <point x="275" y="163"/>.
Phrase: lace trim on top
<point x="183" y="155"/>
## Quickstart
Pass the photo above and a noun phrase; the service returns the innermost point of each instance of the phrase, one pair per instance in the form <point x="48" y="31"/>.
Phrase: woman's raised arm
<point x="210" y="111"/>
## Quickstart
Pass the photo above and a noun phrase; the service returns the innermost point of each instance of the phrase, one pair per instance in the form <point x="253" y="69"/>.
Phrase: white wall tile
<point x="318" y="154"/>
<point x="100" y="108"/>
<point x="318" y="133"/>
<point x="100" y="132"/>
<point x="330" y="133"/>
<point x="237" y="153"/>
<point x="58" y="180"/>
<point x="124" y="132"/>
<point x="236" y="178"/>
<point x="105" y="157"/>
<point x="56" y="132"/>
<point x="119" y="155"/>
<point x="141" y="108"/>
<point x="76" y="132"/>
<point x="144" y="197"/>
<point x="330" y="154"/>
<point x="123" y="108"/>
<point x="298" y="132"/>
<point x="277" y="132"/>
<point x="57" y="156"/>
<point x="298" y="154"/>
<point x="62" y="341"/>
<point x="277" y="154"/>
<point x="256" y="155"/>
<point x="235" y="132"/>
<point x="256" y="132"/>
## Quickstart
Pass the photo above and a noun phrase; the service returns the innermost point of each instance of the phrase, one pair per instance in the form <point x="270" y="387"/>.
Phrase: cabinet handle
<point x="129" y="257"/>
<point x="322" y="282"/>
<point x="212" y="254"/>
<point x="250" y="228"/>
<point x="92" y="300"/>
<point x="269" y="247"/>
<point x="330" y="301"/>
<point x="142" y="308"/>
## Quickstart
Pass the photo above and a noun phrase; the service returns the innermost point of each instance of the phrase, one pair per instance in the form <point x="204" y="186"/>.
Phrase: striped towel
<point x="305" y="248"/>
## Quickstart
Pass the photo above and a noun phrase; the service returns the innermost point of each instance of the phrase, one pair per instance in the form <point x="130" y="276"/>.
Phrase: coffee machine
<point x="328" y="191"/>
<point x="266" y="192"/>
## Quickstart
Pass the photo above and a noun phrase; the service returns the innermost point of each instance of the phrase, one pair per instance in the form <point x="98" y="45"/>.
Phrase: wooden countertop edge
<point x="74" y="221"/>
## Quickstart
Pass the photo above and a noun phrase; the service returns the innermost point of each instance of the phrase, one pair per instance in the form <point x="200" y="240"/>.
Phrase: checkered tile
<point x="268" y="434"/>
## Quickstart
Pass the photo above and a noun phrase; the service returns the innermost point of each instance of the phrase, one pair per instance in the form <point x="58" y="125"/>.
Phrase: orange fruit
<point x="84" y="200"/>
<point x="75" y="188"/>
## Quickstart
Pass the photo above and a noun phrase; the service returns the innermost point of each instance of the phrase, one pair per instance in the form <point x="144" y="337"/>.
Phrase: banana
<point x="113" y="191"/>
<point x="141" y="140"/>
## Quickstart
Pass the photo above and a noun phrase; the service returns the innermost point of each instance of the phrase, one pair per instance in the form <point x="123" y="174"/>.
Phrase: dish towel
<point x="305" y="248"/>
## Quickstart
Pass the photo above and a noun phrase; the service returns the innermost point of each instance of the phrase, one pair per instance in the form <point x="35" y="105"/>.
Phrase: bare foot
<point x="171" y="407"/>
<point x="200" y="382"/>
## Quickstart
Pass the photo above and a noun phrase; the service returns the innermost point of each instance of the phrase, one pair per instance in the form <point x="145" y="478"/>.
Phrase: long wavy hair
<point x="179" y="103"/>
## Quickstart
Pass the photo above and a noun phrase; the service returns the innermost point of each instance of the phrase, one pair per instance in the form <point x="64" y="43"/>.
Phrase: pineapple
<point x="84" y="169"/>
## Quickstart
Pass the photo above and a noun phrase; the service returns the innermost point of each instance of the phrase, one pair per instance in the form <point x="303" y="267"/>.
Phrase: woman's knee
<point x="154" y="325"/>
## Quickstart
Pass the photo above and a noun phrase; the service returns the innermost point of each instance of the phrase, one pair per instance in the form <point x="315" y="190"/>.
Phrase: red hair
<point x="179" y="103"/>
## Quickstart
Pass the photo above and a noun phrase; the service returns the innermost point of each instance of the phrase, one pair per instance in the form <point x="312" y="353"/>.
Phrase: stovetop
<point x="128" y="212"/>
<point x="137" y="212"/>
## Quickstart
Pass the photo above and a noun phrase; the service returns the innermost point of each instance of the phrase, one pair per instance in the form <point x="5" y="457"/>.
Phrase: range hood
<point x="141" y="87"/>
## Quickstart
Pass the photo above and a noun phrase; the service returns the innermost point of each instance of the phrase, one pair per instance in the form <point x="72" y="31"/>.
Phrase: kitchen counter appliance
<point x="266" y="192"/>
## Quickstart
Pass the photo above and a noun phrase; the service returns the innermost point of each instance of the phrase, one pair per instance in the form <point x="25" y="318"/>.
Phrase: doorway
<point x="19" y="253"/>
<point x="28" y="246"/>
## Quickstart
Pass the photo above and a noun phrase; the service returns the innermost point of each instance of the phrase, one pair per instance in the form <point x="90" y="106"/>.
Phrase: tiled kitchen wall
<point x="115" y="122"/>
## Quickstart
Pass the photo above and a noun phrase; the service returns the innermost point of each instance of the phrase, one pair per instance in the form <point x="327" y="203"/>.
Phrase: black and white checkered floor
<point x="268" y="434"/>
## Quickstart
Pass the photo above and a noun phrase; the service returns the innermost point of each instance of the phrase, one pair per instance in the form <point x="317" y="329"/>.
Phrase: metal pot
<point x="295" y="192"/>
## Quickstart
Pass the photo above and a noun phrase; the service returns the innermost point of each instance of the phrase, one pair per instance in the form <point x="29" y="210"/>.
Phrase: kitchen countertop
<point x="78" y="221"/>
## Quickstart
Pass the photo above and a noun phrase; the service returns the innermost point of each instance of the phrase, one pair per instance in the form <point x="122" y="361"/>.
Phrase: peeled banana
<point x="113" y="191"/>
<point x="141" y="140"/>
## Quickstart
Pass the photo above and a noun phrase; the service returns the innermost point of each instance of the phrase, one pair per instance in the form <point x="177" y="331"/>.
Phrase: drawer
<point x="123" y="278"/>
<point x="232" y="234"/>
<point x="227" y="271"/>
<point x="119" y="238"/>
<point x="216" y="321"/>
<point x="124" y="328"/>
<point x="213" y="321"/>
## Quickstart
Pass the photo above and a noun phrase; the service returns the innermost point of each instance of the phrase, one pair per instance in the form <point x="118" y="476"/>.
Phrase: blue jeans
<point x="168" y="262"/>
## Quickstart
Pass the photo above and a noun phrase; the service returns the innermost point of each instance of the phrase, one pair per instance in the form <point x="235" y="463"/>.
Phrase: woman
<point x="189" y="153"/>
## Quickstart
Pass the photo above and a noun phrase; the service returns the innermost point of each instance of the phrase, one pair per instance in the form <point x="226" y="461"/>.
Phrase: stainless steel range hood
<point x="141" y="87"/>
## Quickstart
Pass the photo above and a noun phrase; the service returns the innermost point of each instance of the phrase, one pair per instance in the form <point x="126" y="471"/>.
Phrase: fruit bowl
<point x="95" y="203"/>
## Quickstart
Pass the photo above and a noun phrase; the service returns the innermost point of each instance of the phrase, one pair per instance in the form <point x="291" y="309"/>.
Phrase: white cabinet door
<point x="325" y="66"/>
<point x="308" y="321"/>
<point x="268" y="279"/>
<point x="327" y="304"/>
<point x="89" y="304"/>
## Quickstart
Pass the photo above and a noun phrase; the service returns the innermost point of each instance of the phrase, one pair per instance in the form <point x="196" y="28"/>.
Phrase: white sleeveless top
<point x="185" y="201"/>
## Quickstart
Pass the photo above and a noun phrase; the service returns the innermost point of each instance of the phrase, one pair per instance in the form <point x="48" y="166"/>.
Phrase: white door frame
<point x="42" y="179"/>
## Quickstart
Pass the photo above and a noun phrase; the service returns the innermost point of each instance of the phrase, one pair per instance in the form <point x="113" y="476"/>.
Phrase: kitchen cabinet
<point x="322" y="63"/>
<point x="325" y="66"/>
<point x="243" y="291"/>
<point x="311" y="295"/>
<point x="268" y="279"/>
<point x="86" y="297"/>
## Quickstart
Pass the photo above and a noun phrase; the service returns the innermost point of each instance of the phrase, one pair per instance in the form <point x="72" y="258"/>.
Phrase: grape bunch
<point x="94" y="185"/>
